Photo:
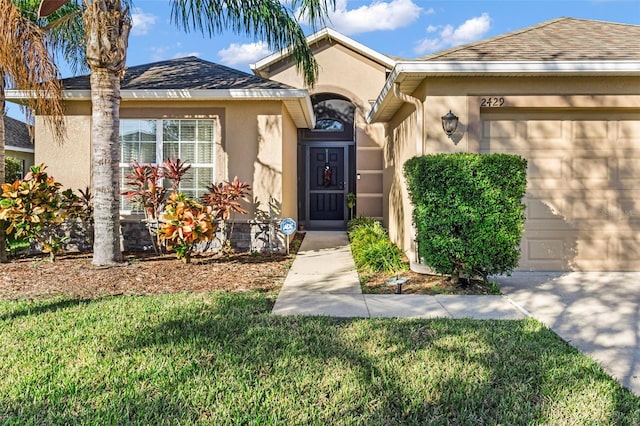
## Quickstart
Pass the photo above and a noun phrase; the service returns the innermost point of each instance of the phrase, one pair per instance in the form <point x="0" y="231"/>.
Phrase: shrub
<point x="185" y="223"/>
<point x="468" y="211"/>
<point x="372" y="250"/>
<point x="147" y="193"/>
<point x="224" y="199"/>
<point x="12" y="169"/>
<point x="32" y="208"/>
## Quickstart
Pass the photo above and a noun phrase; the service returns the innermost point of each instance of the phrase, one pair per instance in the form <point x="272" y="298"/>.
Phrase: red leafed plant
<point x="174" y="169"/>
<point x="147" y="193"/>
<point x="224" y="198"/>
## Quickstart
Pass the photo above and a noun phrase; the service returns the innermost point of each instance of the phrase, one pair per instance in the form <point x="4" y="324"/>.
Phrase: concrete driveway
<point x="597" y="312"/>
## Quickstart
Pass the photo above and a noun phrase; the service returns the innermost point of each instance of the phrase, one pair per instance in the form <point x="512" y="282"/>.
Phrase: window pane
<point x="188" y="152"/>
<point x="128" y="151"/>
<point x="188" y="180"/>
<point x="205" y="130"/>
<point x="129" y="130"/>
<point x="170" y="150"/>
<point x="148" y="130"/>
<point x="205" y="152"/>
<point x="147" y="153"/>
<point x="188" y="130"/>
<point x="205" y="178"/>
<point x="170" y="130"/>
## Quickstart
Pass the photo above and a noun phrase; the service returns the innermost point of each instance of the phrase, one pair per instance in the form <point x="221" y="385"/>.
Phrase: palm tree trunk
<point x="107" y="26"/>
<point x="105" y="122"/>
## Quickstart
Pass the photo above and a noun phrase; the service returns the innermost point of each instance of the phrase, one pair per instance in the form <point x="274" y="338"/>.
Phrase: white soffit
<point x="333" y="35"/>
<point x="409" y="75"/>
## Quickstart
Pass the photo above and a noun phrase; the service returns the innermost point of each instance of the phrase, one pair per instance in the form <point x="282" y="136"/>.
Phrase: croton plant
<point x="184" y="224"/>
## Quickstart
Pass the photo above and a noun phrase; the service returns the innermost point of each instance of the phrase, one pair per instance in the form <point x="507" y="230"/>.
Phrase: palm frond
<point x="27" y="64"/>
<point x="267" y="20"/>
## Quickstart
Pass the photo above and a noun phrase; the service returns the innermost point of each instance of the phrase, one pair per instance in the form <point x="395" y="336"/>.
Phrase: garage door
<point x="583" y="191"/>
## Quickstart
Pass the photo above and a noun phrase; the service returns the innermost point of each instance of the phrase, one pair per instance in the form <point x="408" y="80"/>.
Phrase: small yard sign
<point x="288" y="226"/>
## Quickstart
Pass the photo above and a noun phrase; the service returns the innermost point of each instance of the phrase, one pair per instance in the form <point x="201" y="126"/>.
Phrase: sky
<point x="399" y="28"/>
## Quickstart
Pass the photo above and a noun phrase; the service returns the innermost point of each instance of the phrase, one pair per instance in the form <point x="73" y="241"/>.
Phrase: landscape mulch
<point x="73" y="276"/>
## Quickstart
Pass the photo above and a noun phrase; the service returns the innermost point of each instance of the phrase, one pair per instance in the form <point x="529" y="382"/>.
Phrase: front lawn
<point x="221" y="358"/>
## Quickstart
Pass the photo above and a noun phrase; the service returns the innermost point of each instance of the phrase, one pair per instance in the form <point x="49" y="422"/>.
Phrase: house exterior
<point x="18" y="142"/>
<point x="564" y="94"/>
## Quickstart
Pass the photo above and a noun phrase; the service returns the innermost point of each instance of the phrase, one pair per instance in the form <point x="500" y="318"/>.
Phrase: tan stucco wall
<point x="463" y="96"/>
<point x="289" y="167"/>
<point x="349" y="74"/>
<point x="69" y="162"/>
<point x="250" y="143"/>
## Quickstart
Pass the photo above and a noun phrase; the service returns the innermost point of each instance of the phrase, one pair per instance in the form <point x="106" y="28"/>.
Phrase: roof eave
<point x="19" y="149"/>
<point x="297" y="101"/>
<point x="425" y="69"/>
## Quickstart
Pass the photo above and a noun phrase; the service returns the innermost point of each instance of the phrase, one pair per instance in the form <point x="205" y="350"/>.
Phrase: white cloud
<point x="141" y="22"/>
<point x="471" y="30"/>
<point x="376" y="16"/>
<point x="243" y="54"/>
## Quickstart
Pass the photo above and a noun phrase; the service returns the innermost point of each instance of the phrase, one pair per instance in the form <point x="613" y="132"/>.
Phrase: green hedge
<point x="468" y="211"/>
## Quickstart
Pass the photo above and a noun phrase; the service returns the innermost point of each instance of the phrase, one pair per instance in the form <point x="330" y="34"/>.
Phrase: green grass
<point x="223" y="359"/>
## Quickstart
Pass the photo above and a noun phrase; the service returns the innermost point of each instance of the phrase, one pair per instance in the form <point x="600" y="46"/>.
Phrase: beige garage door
<point x="583" y="192"/>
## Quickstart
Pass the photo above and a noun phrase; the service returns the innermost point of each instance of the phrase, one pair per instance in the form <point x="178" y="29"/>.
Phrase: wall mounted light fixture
<point x="449" y="123"/>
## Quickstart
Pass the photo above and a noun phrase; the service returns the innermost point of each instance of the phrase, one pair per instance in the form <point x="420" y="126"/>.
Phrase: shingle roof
<point x="188" y="73"/>
<point x="562" y="39"/>
<point x="16" y="134"/>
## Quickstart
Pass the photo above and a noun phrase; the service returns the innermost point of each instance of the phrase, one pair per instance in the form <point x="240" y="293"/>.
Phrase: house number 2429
<point x="491" y="102"/>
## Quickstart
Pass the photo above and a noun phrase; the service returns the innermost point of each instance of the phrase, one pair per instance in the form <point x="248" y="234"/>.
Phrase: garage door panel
<point x="544" y="134"/>
<point x="583" y="189"/>
<point x="590" y="168"/>
<point x="628" y="132"/>
<point x="588" y="131"/>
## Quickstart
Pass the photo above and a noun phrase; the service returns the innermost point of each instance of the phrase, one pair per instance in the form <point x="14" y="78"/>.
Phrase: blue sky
<point x="404" y="28"/>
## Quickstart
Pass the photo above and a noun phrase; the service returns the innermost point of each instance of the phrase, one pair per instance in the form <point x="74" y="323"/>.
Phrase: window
<point x="153" y="141"/>
<point x="329" y="124"/>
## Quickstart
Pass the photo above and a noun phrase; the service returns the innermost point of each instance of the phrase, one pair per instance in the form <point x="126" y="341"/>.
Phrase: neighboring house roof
<point x="16" y="135"/>
<point x="262" y="66"/>
<point x="191" y="78"/>
<point x="563" y="46"/>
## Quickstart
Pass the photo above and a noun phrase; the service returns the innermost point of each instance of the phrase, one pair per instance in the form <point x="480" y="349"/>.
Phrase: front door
<point x="327" y="186"/>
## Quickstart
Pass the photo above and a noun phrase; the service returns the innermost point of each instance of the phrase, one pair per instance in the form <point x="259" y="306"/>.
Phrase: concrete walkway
<point x="323" y="281"/>
<point x="598" y="313"/>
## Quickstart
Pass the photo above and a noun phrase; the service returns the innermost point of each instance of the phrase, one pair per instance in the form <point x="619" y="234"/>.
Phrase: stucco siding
<point x="68" y="162"/>
<point x="580" y="136"/>
<point x="289" y="207"/>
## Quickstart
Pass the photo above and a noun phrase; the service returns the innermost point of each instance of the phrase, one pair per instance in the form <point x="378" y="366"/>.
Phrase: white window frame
<point x="160" y="152"/>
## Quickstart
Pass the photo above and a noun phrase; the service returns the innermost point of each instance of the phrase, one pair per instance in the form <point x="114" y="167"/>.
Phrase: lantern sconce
<point x="449" y="123"/>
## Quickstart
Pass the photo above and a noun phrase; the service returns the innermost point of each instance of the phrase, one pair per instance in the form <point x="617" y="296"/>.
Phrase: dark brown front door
<point x="327" y="186"/>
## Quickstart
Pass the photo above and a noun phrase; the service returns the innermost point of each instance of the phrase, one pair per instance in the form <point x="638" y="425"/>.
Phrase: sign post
<point x="288" y="226"/>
